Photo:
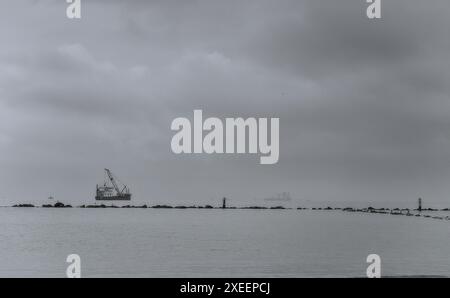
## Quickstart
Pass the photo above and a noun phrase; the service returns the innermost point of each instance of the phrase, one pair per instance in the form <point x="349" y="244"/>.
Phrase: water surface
<point x="218" y="243"/>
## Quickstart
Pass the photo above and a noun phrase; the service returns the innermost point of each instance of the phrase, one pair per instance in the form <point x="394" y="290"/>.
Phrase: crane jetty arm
<point x="113" y="181"/>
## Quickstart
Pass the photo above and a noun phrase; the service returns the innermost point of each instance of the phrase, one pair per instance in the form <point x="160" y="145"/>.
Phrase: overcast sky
<point x="364" y="105"/>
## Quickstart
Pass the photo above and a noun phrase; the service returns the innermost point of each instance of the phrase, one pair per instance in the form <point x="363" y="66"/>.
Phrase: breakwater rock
<point x="24" y="206"/>
<point x="56" y="205"/>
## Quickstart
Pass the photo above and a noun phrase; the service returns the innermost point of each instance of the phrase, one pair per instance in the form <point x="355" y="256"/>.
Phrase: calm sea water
<point x="218" y="243"/>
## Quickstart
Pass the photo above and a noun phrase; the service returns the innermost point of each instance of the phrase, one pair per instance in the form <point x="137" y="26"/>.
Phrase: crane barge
<point x="110" y="191"/>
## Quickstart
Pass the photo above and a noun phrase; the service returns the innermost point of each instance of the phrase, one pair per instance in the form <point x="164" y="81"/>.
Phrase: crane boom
<point x="113" y="181"/>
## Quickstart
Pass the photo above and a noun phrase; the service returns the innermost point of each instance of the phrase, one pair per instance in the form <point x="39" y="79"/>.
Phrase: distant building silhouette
<point x="420" y="205"/>
<point x="224" y="203"/>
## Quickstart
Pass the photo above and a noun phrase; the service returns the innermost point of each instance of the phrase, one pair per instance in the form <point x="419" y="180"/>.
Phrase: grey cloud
<point x="363" y="104"/>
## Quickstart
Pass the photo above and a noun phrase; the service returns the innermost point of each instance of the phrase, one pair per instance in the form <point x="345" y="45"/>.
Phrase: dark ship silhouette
<point x="110" y="191"/>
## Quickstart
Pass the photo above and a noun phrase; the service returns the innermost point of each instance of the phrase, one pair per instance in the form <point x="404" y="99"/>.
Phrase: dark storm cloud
<point x="364" y="105"/>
